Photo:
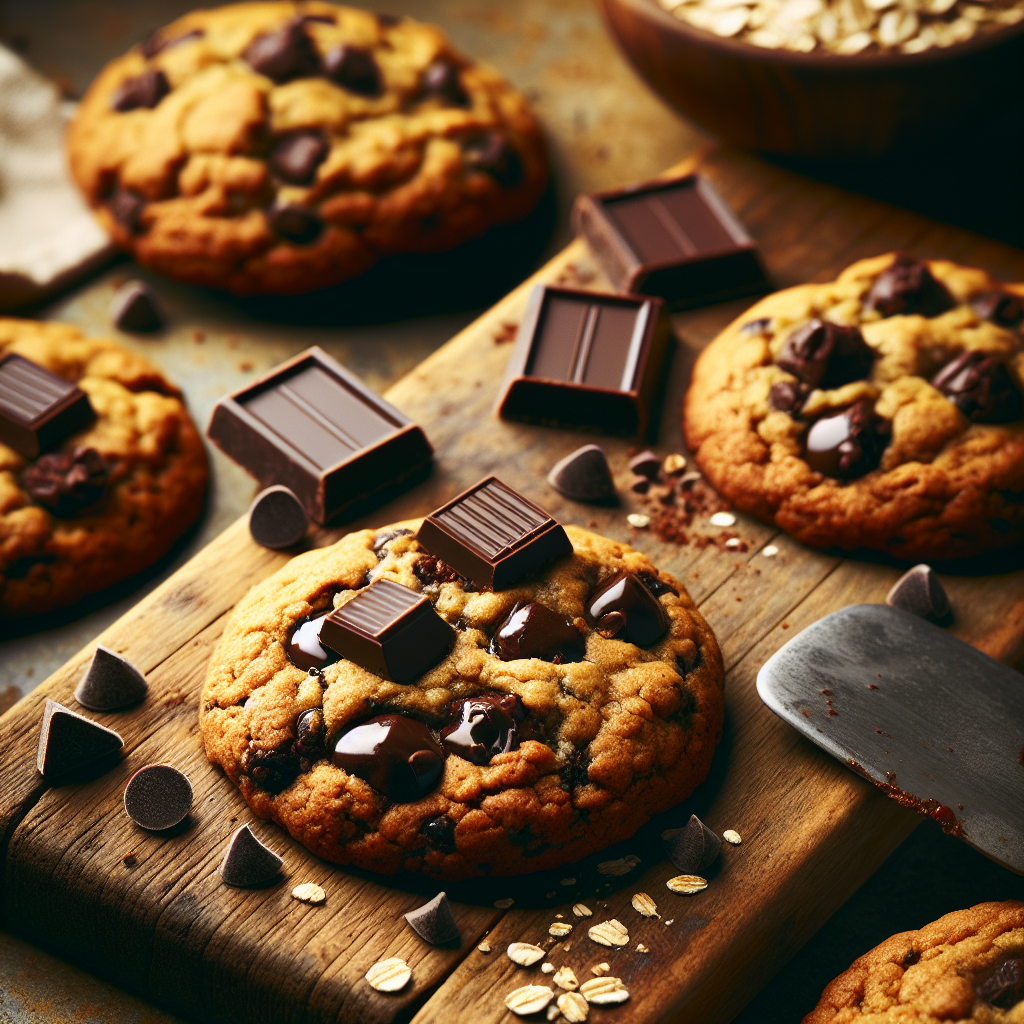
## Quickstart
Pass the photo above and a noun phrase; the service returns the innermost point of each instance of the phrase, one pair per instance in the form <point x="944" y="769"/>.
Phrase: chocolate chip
<point x="826" y="355"/>
<point x="848" y="444"/>
<point x="158" y="797"/>
<point x="907" y="286"/>
<point x="126" y="208"/>
<point x="110" y="682"/>
<point x="156" y="43"/>
<point x="68" y="741"/>
<point x="296" y="155"/>
<point x="1000" y="308"/>
<point x="353" y="69"/>
<point x="310" y="730"/>
<point x="752" y="327"/>
<point x="299" y="224"/>
<point x="492" y="153"/>
<point x="277" y="519"/>
<point x="622" y="607"/>
<point x="382" y="540"/>
<point x="532" y="630"/>
<point x="431" y="571"/>
<point x="145" y="90"/>
<point x="981" y="387"/>
<point x="640" y="484"/>
<point x="788" y="396"/>
<point x="396" y="755"/>
<point x="655" y="584"/>
<point x="134" y="308"/>
<point x="273" y="770"/>
<point x="646" y="464"/>
<point x="441" y="79"/>
<point x="67" y="483"/>
<point x="303" y="644"/>
<point x="434" y="921"/>
<point x="285" y="54"/>
<point x="919" y="592"/>
<point x="481" y="727"/>
<point x="583" y="475"/>
<point x="694" y="848"/>
<point x="575" y="772"/>
<point x="1002" y="984"/>
<point x="440" y="833"/>
<point x="247" y="862"/>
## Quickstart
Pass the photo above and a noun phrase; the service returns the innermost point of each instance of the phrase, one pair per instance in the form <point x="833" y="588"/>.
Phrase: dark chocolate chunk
<point x="310" y="729"/>
<point x="273" y="770"/>
<point x="760" y="326"/>
<point x="826" y="355"/>
<point x="389" y="630"/>
<point x="396" y="755"/>
<point x="907" y="286"/>
<point x="981" y="387"/>
<point x="646" y="464"/>
<point x="247" y="862"/>
<point x="68" y="742"/>
<point x="493" y="536"/>
<point x="584" y="475"/>
<point x="134" y="308"/>
<point x="67" y="483"/>
<point x="919" y="592"/>
<point x="303" y="647"/>
<point x="481" y="727"/>
<point x="1000" y="308"/>
<point x="440" y="833"/>
<point x="110" y="682"/>
<point x="588" y="360"/>
<point x="655" y="584"/>
<point x="492" y="153"/>
<point x="431" y="571"/>
<point x="640" y="484"/>
<point x="1002" y="984"/>
<point x="441" y="80"/>
<point x="126" y="208"/>
<point x="38" y="409"/>
<point x="848" y="444"/>
<point x="576" y="771"/>
<point x="156" y="43"/>
<point x="296" y="156"/>
<point x="276" y="518"/>
<point x="285" y="54"/>
<point x="622" y="607"/>
<point x="312" y="426"/>
<point x="533" y="631"/>
<point x="676" y="239"/>
<point x="434" y="921"/>
<point x="353" y="69"/>
<point x="158" y="797"/>
<point x="693" y="849"/>
<point x="145" y="90"/>
<point x="788" y="396"/>
<point x="298" y="224"/>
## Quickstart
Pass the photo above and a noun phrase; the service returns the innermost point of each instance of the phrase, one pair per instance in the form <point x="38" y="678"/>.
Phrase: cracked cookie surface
<point x="933" y="464"/>
<point x="282" y="147"/>
<point x="606" y="741"/>
<point x="143" y="485"/>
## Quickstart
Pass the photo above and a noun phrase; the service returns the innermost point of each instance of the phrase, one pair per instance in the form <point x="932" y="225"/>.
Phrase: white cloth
<point x="47" y="234"/>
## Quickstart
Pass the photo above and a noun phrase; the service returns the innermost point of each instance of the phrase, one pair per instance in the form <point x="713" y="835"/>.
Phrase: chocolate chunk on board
<point x="434" y="921"/>
<point x="315" y="428"/>
<point x="587" y="360"/>
<point x="584" y="475"/>
<point x="677" y="239"/>
<point x="38" y="409"/>
<point x="694" y="848"/>
<point x="134" y="308"/>
<point x="247" y="862"/>
<point x="389" y="630"/>
<point x="158" y="797"/>
<point x="111" y="682"/>
<point x="68" y="741"/>
<point x="919" y="592"/>
<point x="277" y="519"/>
<point x="492" y="535"/>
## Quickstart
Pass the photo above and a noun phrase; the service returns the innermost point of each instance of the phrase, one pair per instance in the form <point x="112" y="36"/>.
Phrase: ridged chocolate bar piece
<point x="587" y="360"/>
<point x="493" y="536"/>
<point x="674" y="238"/>
<point x="389" y="630"/>
<point x="312" y="426"/>
<point x="38" y="409"/>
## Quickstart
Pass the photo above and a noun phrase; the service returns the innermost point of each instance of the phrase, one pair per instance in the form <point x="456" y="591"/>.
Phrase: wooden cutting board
<point x="812" y="831"/>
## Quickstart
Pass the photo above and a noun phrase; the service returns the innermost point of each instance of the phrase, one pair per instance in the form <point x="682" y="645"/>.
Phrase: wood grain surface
<point x="812" y="831"/>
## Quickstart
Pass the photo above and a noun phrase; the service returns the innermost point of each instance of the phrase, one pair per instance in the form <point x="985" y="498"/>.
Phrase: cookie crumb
<point x="129" y="860"/>
<point x="484" y="947"/>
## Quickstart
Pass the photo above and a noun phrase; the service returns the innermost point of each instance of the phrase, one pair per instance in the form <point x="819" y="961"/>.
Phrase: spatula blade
<point x="925" y="716"/>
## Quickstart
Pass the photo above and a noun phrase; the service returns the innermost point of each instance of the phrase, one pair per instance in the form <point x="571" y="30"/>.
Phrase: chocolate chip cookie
<point x="110" y="492"/>
<point x="881" y="410"/>
<point x="282" y="147"/>
<point x="558" y="715"/>
<point x="967" y="966"/>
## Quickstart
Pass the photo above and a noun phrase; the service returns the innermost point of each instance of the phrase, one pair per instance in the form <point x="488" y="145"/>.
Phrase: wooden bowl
<point x="818" y="104"/>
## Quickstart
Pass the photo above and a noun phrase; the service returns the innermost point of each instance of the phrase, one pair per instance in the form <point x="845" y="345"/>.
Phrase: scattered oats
<point x="567" y="947"/>
<point x="723" y="519"/>
<point x="854" y="44"/>
<point x="643" y="904"/>
<point x="733" y="542"/>
<point x="729" y="23"/>
<point x="638" y="520"/>
<point x="769" y="551"/>
<point x="389" y="975"/>
<point x="600" y="969"/>
<point x="309" y="892"/>
<point x="687" y="885"/>
<point x="547" y="968"/>
<point x="566" y="979"/>
<point x="641" y="948"/>
<point x="525" y="954"/>
<point x="669" y="921"/>
<point x="484" y="947"/>
<point x="504" y="904"/>
<point x="529" y="999"/>
<point x="558" y="917"/>
<point x="730" y="835"/>
<point x="560" y="929"/>
<point x="610" y="933"/>
<point x="673" y="464"/>
<point x="897" y="27"/>
<point x="553" y="1012"/>
<point x="622" y="866"/>
<point x="604" y="991"/>
<point x="573" y="1006"/>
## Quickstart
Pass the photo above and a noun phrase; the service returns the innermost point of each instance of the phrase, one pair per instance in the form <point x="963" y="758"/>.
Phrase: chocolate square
<point x="38" y="409"/>
<point x="389" y="630"/>
<point x="492" y="535"/>
<point x="314" y="427"/>
<point x="587" y="360"/>
<point x="674" y="238"/>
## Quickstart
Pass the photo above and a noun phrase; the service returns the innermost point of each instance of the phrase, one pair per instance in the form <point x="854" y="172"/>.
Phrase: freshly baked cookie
<point x="282" y="147"/>
<point x="111" y="498"/>
<point x="881" y="410"/>
<point x="968" y="966"/>
<point x="544" y="735"/>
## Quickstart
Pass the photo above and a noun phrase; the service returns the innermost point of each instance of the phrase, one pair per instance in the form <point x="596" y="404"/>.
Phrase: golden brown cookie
<point x="572" y="756"/>
<point x="110" y="499"/>
<point x="881" y="410"/>
<point x="282" y="147"/>
<point x="966" y="967"/>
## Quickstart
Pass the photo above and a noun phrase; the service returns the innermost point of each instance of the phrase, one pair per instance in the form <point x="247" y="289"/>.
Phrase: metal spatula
<point x="934" y="722"/>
